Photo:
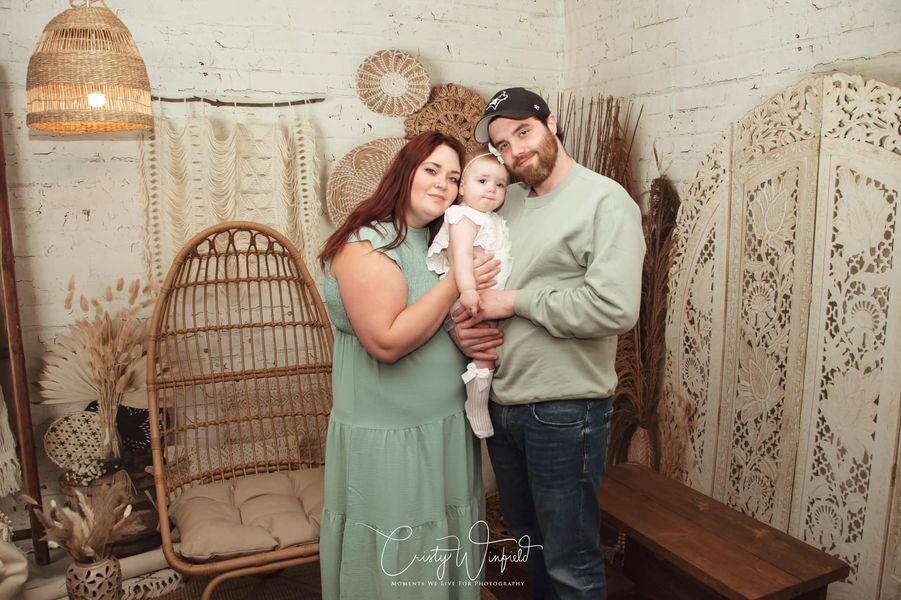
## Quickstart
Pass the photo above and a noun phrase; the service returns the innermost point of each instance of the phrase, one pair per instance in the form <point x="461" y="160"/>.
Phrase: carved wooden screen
<point x="771" y="227"/>
<point x="851" y="398"/>
<point x="688" y="422"/>
<point x="796" y="422"/>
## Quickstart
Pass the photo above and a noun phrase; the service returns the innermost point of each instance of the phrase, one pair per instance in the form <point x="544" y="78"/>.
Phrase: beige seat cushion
<point x="248" y="515"/>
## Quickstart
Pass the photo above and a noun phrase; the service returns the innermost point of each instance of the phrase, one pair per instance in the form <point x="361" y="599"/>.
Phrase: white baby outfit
<point x="493" y="237"/>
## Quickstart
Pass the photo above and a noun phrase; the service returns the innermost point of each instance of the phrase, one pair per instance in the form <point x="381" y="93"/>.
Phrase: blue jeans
<point x="548" y="458"/>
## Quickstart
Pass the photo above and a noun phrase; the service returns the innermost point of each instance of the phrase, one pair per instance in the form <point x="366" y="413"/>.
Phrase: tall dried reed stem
<point x="599" y="134"/>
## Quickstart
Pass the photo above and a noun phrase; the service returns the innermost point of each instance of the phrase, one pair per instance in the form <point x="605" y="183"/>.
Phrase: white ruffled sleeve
<point x="455" y="213"/>
<point x="437" y="259"/>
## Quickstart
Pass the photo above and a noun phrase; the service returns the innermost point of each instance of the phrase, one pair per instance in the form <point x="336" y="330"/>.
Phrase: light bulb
<point x="96" y="99"/>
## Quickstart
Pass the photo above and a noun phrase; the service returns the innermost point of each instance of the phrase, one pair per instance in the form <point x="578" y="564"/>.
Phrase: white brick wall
<point x="698" y="65"/>
<point x="74" y="201"/>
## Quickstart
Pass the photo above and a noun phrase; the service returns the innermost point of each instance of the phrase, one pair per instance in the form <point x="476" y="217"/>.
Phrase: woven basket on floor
<point x="86" y="75"/>
<point x="357" y="175"/>
<point x="393" y="83"/>
<point x="641" y="448"/>
<point x="453" y="110"/>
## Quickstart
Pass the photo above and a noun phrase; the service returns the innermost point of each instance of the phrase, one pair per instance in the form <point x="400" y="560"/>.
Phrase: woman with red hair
<point x="403" y="490"/>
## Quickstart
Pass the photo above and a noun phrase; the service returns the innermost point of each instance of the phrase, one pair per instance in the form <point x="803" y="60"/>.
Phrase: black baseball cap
<point x="513" y="103"/>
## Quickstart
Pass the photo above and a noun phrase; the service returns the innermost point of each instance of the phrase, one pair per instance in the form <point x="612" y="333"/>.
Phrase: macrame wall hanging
<point x="10" y="470"/>
<point x="209" y="162"/>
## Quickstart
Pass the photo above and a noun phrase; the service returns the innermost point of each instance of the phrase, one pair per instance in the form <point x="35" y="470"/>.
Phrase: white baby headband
<point x="495" y="154"/>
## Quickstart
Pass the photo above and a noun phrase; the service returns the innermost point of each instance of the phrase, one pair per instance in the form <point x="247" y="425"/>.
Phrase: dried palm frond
<point x="641" y="351"/>
<point x="88" y="529"/>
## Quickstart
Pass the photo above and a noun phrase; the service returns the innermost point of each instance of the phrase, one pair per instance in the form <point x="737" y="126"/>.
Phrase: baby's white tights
<point x="478" y="384"/>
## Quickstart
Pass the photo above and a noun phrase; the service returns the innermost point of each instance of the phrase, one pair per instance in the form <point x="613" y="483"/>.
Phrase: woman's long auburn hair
<point x="391" y="199"/>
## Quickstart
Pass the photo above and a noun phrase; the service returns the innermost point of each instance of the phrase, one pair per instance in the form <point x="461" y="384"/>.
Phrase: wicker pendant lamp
<point x="86" y="75"/>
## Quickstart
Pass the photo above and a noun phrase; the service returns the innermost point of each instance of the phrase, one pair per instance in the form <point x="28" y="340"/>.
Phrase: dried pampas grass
<point x="90" y="528"/>
<point x="101" y="357"/>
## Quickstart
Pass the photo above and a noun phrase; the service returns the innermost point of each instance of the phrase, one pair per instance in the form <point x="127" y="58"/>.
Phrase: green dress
<point x="402" y="474"/>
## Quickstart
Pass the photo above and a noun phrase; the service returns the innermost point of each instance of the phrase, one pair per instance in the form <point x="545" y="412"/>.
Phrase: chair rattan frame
<point x="238" y="316"/>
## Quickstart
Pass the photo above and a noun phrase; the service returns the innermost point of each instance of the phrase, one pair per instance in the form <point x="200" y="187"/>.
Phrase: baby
<point x="470" y="229"/>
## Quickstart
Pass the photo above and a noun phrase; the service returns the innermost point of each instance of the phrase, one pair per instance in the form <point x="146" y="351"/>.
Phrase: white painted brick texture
<point x="698" y="65"/>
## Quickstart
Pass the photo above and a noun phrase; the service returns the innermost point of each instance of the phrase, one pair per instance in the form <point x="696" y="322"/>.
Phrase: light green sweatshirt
<point x="577" y="256"/>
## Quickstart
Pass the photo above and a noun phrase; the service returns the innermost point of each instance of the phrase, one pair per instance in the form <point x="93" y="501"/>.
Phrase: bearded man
<point x="575" y="285"/>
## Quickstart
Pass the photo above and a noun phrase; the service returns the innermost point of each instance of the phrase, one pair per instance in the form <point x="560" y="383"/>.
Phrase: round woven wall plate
<point x="73" y="439"/>
<point x="453" y="110"/>
<point x="393" y="83"/>
<point x="357" y="174"/>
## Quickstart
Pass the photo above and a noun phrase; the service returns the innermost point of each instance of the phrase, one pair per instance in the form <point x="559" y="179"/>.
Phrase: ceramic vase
<point x="101" y="580"/>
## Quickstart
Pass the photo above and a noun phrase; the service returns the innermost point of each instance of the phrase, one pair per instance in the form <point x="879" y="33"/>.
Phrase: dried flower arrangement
<point x="83" y="472"/>
<point x="89" y="529"/>
<point x="101" y="357"/>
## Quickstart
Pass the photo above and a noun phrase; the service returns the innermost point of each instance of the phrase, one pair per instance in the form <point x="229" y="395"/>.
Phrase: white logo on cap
<point x="497" y="100"/>
<point x="536" y="107"/>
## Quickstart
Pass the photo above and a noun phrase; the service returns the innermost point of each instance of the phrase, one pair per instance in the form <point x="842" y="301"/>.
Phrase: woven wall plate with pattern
<point x="393" y="83"/>
<point x="73" y="439"/>
<point x="357" y="174"/>
<point x="453" y="110"/>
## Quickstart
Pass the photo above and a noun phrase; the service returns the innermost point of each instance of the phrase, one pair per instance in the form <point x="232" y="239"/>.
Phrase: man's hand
<point x="477" y="341"/>
<point x="496" y="304"/>
<point x="485" y="268"/>
<point x="493" y="306"/>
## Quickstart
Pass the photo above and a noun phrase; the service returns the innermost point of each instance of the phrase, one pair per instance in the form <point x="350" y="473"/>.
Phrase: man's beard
<point x="541" y="166"/>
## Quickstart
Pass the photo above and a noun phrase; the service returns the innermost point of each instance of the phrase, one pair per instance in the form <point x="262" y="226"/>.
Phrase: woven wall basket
<point x="453" y="110"/>
<point x="393" y="83"/>
<point x="73" y="438"/>
<point x="357" y="174"/>
<point x="86" y="75"/>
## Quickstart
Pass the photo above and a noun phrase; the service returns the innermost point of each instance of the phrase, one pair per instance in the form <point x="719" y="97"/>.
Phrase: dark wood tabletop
<point x="733" y="555"/>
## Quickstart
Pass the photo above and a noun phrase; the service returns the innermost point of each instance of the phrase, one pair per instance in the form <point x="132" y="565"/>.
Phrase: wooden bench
<point x="682" y="544"/>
